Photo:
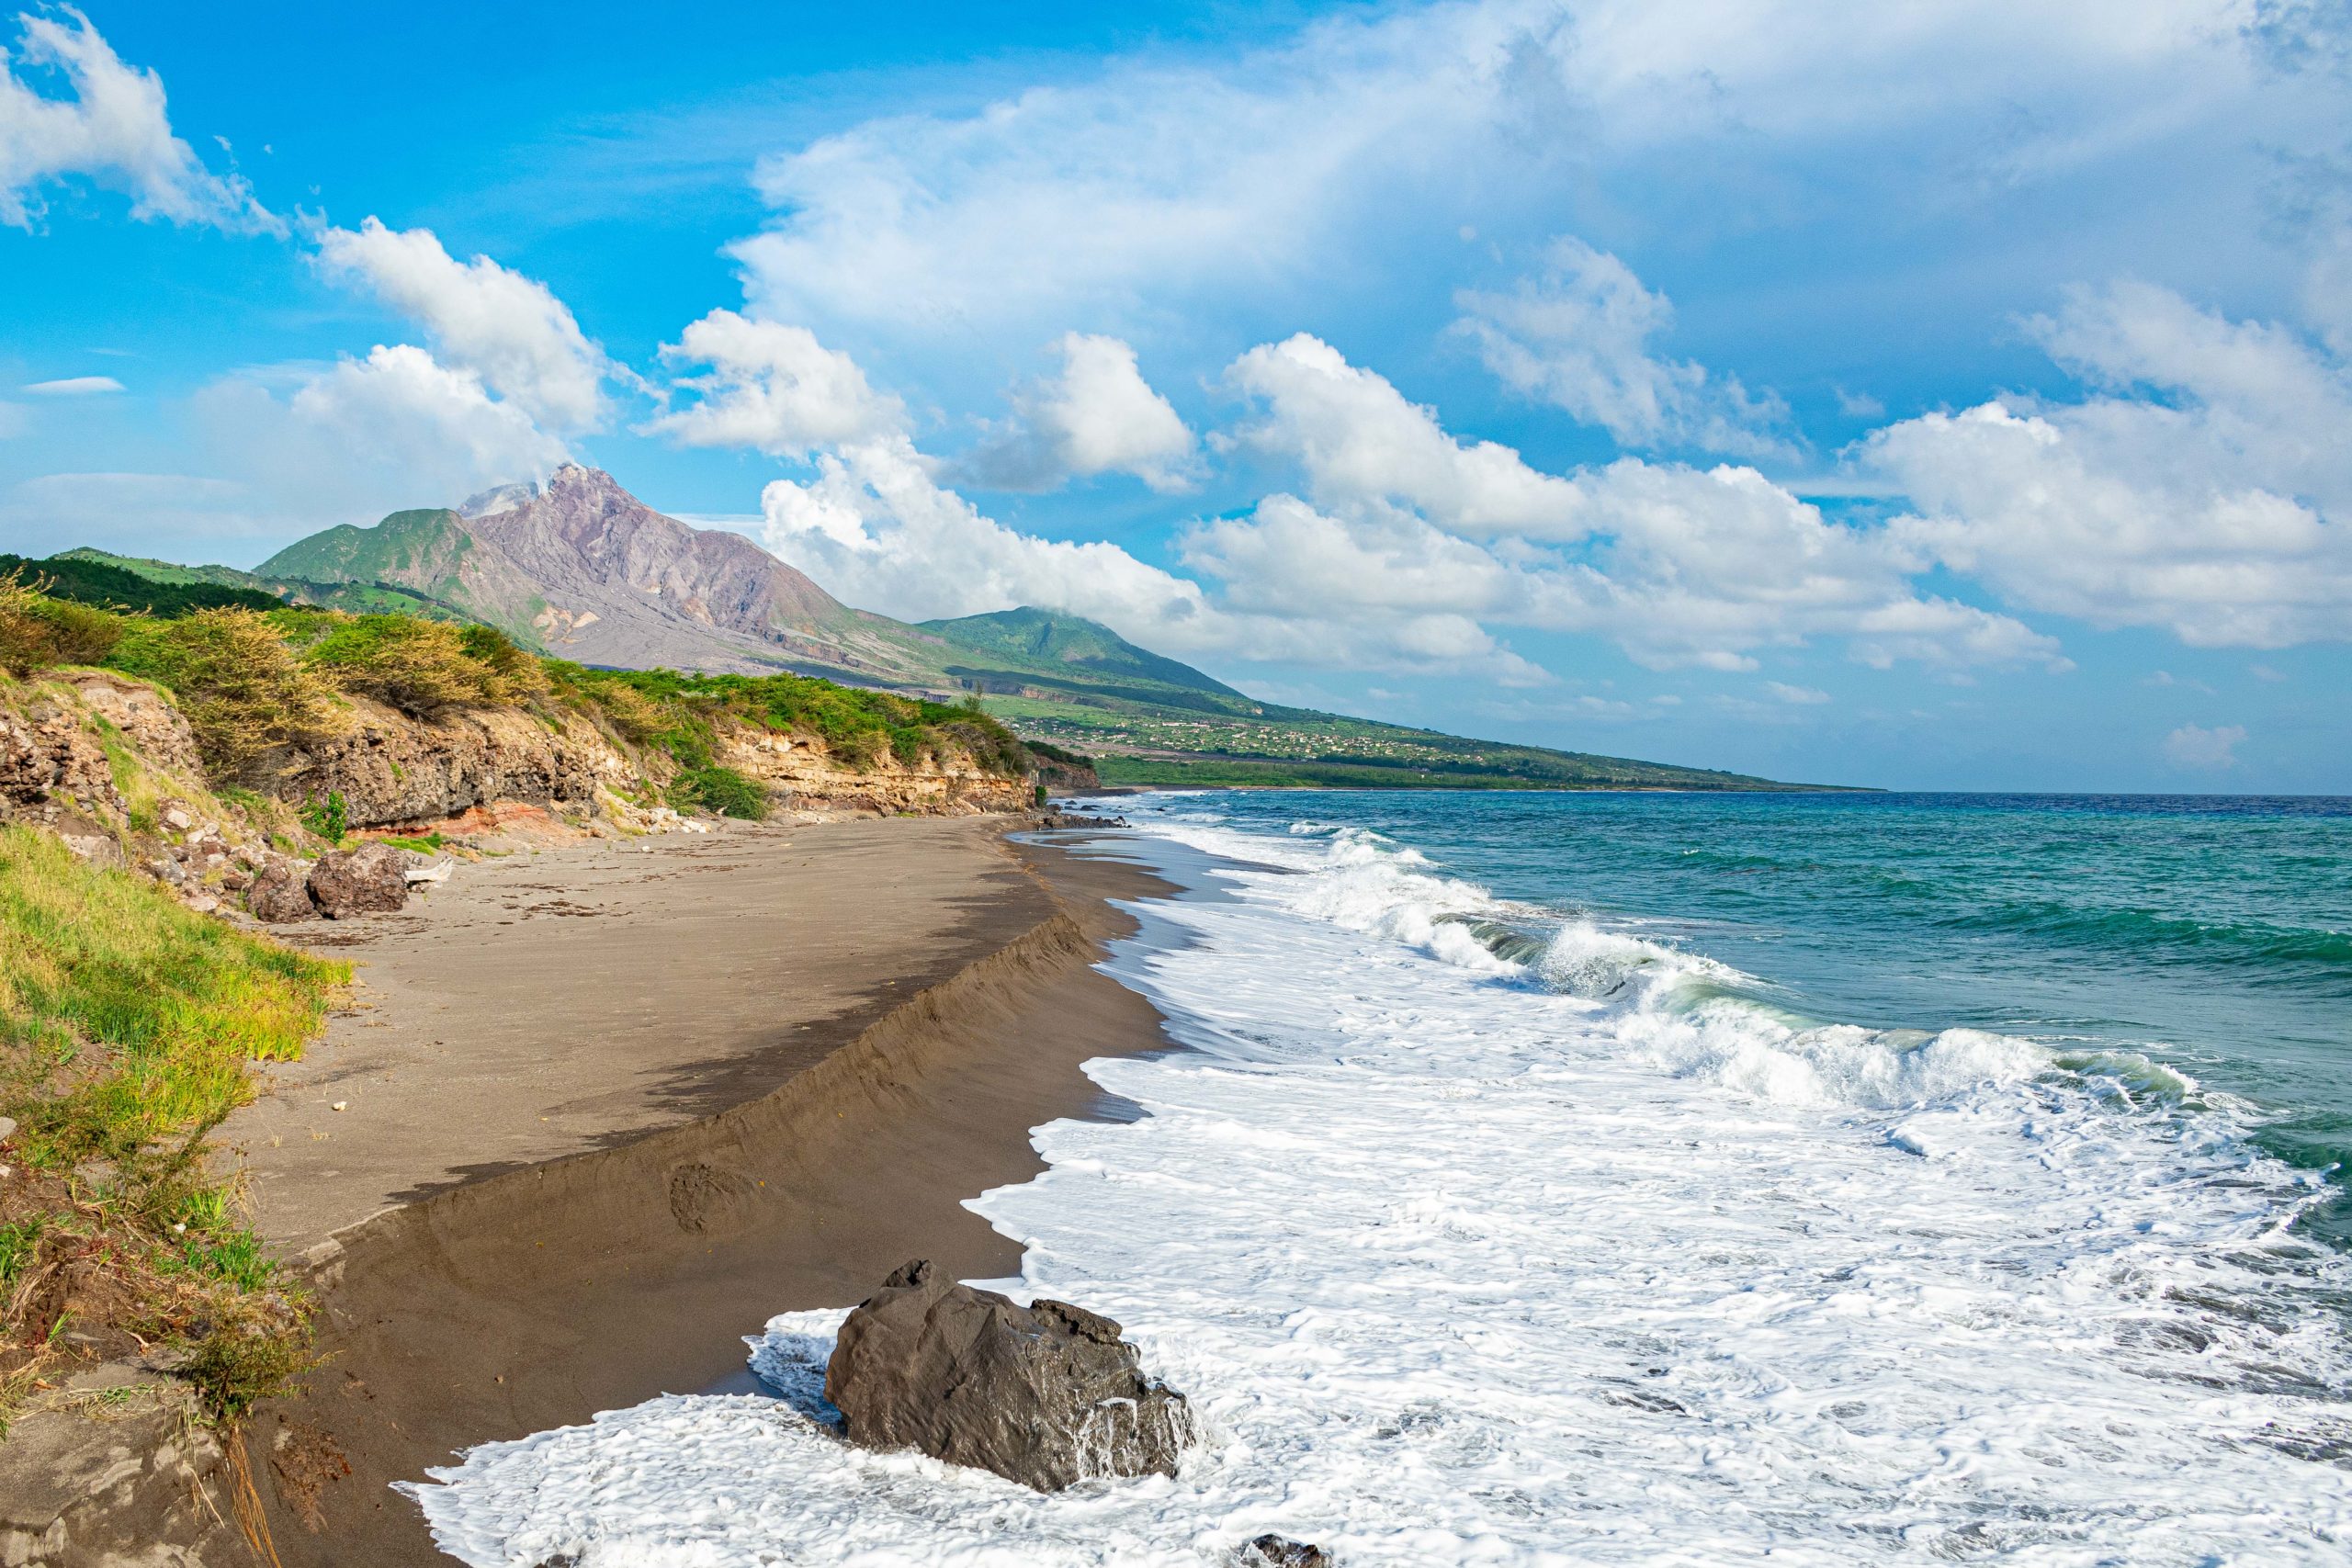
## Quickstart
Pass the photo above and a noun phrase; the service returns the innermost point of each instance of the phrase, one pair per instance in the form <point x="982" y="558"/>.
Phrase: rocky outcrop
<point x="146" y="718"/>
<point x="280" y="892"/>
<point x="1280" y="1551"/>
<point x="370" y="880"/>
<point x="391" y="769"/>
<point x="1046" y="1395"/>
<point x="50" y="758"/>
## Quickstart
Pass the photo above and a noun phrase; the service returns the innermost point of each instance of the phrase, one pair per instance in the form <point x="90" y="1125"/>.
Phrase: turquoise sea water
<point x="2210" y="934"/>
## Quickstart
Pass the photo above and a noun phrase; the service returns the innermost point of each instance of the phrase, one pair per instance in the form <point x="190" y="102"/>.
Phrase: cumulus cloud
<point x="875" y="526"/>
<point x="1577" y="336"/>
<point x="364" y="437"/>
<point x="2203" y="489"/>
<point x="508" y="330"/>
<point x="1677" y="565"/>
<point x="74" y="387"/>
<point x="1360" y="442"/>
<point x="2194" y="746"/>
<point x="108" y="125"/>
<point x="1096" y="415"/>
<point x="771" y="388"/>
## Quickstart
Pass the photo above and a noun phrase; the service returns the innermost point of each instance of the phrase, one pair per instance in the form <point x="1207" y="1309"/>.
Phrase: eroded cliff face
<point x="392" y="770"/>
<point x="804" y="776"/>
<point x="71" y="746"/>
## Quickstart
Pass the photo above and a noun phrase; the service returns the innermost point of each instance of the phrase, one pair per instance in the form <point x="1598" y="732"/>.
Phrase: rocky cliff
<point x="107" y="762"/>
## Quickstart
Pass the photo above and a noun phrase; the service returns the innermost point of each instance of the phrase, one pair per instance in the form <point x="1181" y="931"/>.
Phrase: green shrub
<point x="517" y="676"/>
<point x="328" y="818"/>
<point x="244" y="692"/>
<point x="720" y="790"/>
<point x="37" y="632"/>
<point x="257" y="1349"/>
<point x="418" y="667"/>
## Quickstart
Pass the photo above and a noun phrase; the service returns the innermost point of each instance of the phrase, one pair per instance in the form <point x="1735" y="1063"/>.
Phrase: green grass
<point x="127" y="1025"/>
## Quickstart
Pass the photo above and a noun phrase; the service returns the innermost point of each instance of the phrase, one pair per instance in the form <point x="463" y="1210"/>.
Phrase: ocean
<point x="1645" y="1178"/>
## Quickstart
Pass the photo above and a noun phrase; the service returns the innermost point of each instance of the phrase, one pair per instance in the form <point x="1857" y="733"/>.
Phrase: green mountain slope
<point x="1049" y="642"/>
<point x="1147" y="719"/>
<point x="163" y="570"/>
<point x="90" y="577"/>
<point x="424" y="546"/>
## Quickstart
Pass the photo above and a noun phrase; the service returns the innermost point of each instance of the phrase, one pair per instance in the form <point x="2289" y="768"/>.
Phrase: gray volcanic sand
<point x="771" y="1070"/>
<point x="553" y="1002"/>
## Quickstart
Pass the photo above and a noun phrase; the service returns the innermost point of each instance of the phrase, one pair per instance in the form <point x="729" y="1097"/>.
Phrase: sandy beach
<point x="608" y="1106"/>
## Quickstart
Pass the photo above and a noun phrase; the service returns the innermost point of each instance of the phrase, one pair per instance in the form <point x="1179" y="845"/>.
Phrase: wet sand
<point x="770" y="1069"/>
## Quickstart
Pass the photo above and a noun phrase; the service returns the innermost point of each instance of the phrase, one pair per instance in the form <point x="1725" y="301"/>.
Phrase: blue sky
<point x="1944" y="395"/>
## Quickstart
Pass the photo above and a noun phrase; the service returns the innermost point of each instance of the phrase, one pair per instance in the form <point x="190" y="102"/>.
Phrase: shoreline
<point x="536" y="1294"/>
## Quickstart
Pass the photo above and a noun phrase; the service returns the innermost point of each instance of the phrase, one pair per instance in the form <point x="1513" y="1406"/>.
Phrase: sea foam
<point x="1591" y="1255"/>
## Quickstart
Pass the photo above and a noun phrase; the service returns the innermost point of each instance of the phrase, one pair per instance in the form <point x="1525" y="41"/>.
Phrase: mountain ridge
<point x="577" y="568"/>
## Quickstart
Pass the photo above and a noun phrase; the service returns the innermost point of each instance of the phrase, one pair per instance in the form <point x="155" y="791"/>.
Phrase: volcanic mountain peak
<point x="581" y="568"/>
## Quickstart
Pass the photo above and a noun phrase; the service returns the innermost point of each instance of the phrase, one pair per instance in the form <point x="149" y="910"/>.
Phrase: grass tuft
<point x="126" y="1023"/>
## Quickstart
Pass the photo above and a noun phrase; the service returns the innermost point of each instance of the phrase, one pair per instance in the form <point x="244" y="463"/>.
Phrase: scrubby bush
<point x="243" y="691"/>
<point x="518" y="676"/>
<point x="418" y="667"/>
<point x="37" y="632"/>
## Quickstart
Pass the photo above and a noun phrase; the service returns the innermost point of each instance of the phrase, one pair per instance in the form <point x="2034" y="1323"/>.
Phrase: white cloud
<point x="111" y="129"/>
<point x="364" y="437"/>
<point x="1359" y="441"/>
<point x="1097" y="415"/>
<point x="1410" y="550"/>
<point x="773" y="388"/>
<point x="2216" y="508"/>
<point x="1578" y="336"/>
<point x="74" y="387"/>
<point x="1800" y="696"/>
<point x="1678" y="566"/>
<point x="1156" y="178"/>
<point x="2192" y="745"/>
<point x="875" y="528"/>
<point x="509" y="330"/>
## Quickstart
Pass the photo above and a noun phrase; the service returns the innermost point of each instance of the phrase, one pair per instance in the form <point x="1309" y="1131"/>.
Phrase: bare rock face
<point x="390" y="768"/>
<point x="1280" y="1551"/>
<point x="1043" y="1395"/>
<point x="47" y="757"/>
<point x="370" y="880"/>
<point x="279" y="895"/>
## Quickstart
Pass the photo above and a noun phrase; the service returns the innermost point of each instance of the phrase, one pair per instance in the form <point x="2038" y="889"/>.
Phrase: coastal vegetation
<point x="127" y="1024"/>
<point x="255" y="684"/>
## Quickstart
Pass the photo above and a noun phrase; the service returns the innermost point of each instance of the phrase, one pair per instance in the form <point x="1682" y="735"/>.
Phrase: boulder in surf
<point x="1046" y="1396"/>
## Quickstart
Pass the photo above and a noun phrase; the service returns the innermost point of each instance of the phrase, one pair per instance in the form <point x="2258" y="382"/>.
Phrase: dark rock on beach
<point x="278" y="894"/>
<point x="371" y="879"/>
<point x="1045" y="1395"/>
<point x="1280" y="1551"/>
